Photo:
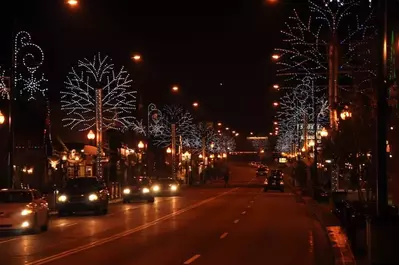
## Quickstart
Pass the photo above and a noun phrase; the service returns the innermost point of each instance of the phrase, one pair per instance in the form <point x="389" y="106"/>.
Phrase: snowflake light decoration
<point x="118" y="97"/>
<point x="28" y="57"/>
<point x="4" y="89"/>
<point x="161" y="130"/>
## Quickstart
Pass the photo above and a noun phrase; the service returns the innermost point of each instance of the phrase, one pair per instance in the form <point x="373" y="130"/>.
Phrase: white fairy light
<point x="259" y="144"/>
<point x="161" y="131"/>
<point x="28" y="58"/>
<point x="4" y="89"/>
<point x="118" y="97"/>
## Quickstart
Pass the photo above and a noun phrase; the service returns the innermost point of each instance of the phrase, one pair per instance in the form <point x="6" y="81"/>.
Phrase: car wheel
<point x="36" y="226"/>
<point x="151" y="200"/>
<point x="45" y="225"/>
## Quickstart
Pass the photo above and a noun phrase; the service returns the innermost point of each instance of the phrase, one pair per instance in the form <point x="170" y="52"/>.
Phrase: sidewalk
<point x="336" y="235"/>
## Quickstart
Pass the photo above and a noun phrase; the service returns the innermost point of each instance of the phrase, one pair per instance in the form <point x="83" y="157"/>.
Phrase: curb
<point x="54" y="212"/>
<point x="342" y="252"/>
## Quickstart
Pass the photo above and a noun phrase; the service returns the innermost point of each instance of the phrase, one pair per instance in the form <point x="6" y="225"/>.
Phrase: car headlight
<point x="126" y="191"/>
<point x="26" y="212"/>
<point x="146" y="190"/>
<point x="93" y="197"/>
<point x="155" y="188"/>
<point x="266" y="182"/>
<point x="173" y="187"/>
<point x="281" y="182"/>
<point x="62" y="198"/>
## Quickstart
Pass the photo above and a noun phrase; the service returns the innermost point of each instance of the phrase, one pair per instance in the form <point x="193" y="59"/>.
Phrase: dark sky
<point x="195" y="44"/>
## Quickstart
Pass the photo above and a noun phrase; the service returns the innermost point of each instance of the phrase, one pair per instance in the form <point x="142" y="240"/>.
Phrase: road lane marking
<point x="224" y="235"/>
<point x="192" y="259"/>
<point x="236" y="221"/>
<point x="249" y="206"/>
<point x="244" y="212"/>
<point x="8" y="240"/>
<point x="311" y="247"/>
<point x="65" y="225"/>
<point x="105" y="240"/>
<point x="252" y="201"/>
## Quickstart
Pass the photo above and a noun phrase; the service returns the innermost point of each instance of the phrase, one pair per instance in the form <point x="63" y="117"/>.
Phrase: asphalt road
<point x="206" y="225"/>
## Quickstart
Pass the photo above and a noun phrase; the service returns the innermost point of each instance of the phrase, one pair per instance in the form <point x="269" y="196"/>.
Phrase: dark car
<point x="166" y="186"/>
<point x="138" y="188"/>
<point x="262" y="171"/>
<point x="83" y="194"/>
<point x="274" y="182"/>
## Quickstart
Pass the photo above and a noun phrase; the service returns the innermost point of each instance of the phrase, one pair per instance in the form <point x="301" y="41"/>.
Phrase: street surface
<point x="205" y="225"/>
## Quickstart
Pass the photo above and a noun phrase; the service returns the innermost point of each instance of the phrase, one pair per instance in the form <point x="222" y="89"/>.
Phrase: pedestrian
<point x="226" y="177"/>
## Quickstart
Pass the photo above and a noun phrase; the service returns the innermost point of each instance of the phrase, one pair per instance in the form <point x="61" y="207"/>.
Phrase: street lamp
<point x="276" y="86"/>
<point x="91" y="135"/>
<point x="219" y="124"/>
<point x="275" y="57"/>
<point x="227" y="128"/>
<point x="136" y="57"/>
<point x="140" y="145"/>
<point x="195" y="104"/>
<point x="275" y="104"/>
<point x="2" y="118"/>
<point x="324" y="132"/>
<point x="169" y="150"/>
<point x="175" y="88"/>
<point x="73" y="3"/>
<point x="237" y="134"/>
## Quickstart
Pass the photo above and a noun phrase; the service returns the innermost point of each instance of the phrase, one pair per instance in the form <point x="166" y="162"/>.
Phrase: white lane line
<point x="249" y="206"/>
<point x="244" y="212"/>
<point x="310" y="240"/>
<point x="252" y="201"/>
<point x="224" y="235"/>
<point x="8" y="240"/>
<point x="236" y="221"/>
<point x="192" y="259"/>
<point x="114" y="237"/>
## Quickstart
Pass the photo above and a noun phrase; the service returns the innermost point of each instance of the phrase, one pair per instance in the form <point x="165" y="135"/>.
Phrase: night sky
<point x="197" y="45"/>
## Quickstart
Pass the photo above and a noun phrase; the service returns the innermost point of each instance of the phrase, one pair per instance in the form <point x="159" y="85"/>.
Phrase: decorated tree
<point x="161" y="130"/>
<point x="259" y="144"/>
<point x="205" y="137"/>
<point x="223" y="144"/>
<point x="4" y="91"/>
<point x="333" y="42"/>
<point x="118" y="99"/>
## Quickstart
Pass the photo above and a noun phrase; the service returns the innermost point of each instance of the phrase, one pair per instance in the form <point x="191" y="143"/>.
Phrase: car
<point x="23" y="210"/>
<point x="262" y="171"/>
<point x="274" y="182"/>
<point x="83" y="194"/>
<point x="138" y="188"/>
<point x="166" y="186"/>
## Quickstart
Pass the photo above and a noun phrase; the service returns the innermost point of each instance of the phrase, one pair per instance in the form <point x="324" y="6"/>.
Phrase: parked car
<point x="165" y="186"/>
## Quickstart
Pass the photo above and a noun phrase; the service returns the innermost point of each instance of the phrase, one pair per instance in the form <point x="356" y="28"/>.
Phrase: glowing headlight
<point x="26" y="212"/>
<point x="93" y="197"/>
<point x="173" y="187"/>
<point x="62" y="198"/>
<point x="126" y="191"/>
<point x="145" y="190"/>
<point x="155" y="188"/>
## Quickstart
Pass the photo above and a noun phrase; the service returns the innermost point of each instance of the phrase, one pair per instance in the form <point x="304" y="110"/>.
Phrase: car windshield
<point x="15" y="197"/>
<point x="166" y="181"/>
<point x="82" y="183"/>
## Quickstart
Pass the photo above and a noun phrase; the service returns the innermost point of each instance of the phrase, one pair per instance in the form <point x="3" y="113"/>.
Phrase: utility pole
<point x="173" y="134"/>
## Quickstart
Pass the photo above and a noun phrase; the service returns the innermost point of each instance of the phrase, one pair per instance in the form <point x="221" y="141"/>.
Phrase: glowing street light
<point x="324" y="132"/>
<point x="2" y="118"/>
<point x="219" y="124"/>
<point x="237" y="134"/>
<point x="275" y="104"/>
<point x="136" y="57"/>
<point x="275" y="123"/>
<point x="140" y="145"/>
<point x="169" y="150"/>
<point x="275" y="57"/>
<point x="175" y="88"/>
<point x="227" y="128"/>
<point x="195" y="104"/>
<point x="91" y="135"/>
<point x="251" y="133"/>
<point x="73" y="3"/>
<point x="276" y="86"/>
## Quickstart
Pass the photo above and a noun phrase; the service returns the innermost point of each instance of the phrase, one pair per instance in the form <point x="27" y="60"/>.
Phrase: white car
<point x="24" y="210"/>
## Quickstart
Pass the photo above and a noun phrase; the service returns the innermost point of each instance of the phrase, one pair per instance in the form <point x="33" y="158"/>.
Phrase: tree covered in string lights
<point x="204" y="136"/>
<point x="4" y="90"/>
<point x="223" y="144"/>
<point x="161" y="131"/>
<point x="306" y="57"/>
<point x="78" y="99"/>
<point x="259" y="144"/>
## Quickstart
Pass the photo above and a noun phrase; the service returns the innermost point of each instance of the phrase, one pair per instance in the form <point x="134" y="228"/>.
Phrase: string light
<point x="28" y="58"/>
<point x="78" y="99"/>
<point x="4" y="90"/>
<point x="306" y="56"/>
